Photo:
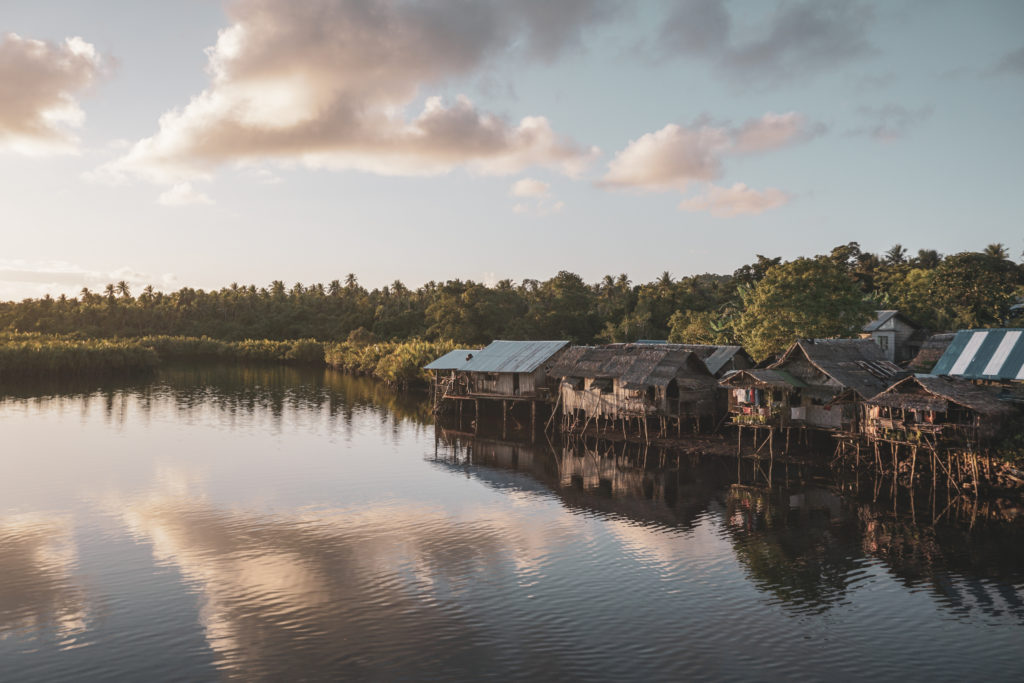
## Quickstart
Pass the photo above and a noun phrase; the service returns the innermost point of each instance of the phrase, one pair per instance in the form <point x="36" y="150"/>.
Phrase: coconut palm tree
<point x="997" y="250"/>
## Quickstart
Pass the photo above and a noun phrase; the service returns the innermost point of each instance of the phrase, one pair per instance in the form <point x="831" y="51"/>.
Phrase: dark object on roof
<point x="513" y="356"/>
<point x="984" y="354"/>
<point x="927" y="392"/>
<point x="857" y="364"/>
<point x="453" y="360"/>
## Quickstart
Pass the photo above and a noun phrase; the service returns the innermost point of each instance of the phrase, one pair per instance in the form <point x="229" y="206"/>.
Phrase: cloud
<point x="530" y="187"/>
<point x="183" y="194"/>
<point x="20" y="279"/>
<point x="796" y="39"/>
<point x="1012" y="63"/>
<point x="670" y="158"/>
<point x="330" y="84"/>
<point x="890" y="122"/>
<point x="773" y="131"/>
<point x="726" y="202"/>
<point x="537" y="196"/>
<point x="675" y="156"/>
<point x="38" y="84"/>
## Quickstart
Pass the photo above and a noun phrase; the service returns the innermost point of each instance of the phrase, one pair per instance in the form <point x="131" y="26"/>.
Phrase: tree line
<point x="763" y="305"/>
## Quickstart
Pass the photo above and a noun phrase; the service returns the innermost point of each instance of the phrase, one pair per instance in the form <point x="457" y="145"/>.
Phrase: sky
<point x="199" y="143"/>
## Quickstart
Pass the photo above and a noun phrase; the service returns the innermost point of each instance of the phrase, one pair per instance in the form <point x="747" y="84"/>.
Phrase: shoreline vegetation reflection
<point x="551" y="536"/>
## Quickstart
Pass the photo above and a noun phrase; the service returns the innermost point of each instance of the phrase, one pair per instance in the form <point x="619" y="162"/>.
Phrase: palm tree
<point x="997" y="250"/>
<point x="927" y="259"/>
<point x="896" y="254"/>
<point x="351" y="280"/>
<point x="122" y="289"/>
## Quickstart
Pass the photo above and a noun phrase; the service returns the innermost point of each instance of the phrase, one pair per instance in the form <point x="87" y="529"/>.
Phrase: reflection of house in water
<point x="799" y="546"/>
<point x="975" y="564"/>
<point x="646" y="484"/>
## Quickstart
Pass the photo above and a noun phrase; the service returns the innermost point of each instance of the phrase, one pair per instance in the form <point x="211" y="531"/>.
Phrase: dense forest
<point x="762" y="305"/>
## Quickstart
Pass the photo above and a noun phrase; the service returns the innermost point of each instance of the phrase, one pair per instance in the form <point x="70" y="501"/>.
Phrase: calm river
<point x="277" y="524"/>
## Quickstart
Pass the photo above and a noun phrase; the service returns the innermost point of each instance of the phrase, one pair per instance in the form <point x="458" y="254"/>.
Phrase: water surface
<point x="271" y="523"/>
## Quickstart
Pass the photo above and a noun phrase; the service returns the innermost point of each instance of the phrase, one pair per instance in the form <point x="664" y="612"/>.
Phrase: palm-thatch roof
<point x="857" y="364"/>
<point x="635" y="366"/>
<point x="928" y="392"/>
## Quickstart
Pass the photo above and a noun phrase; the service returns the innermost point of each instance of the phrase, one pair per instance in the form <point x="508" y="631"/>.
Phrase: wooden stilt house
<point x="635" y="380"/>
<point x="801" y="388"/>
<point x="502" y="370"/>
<point x="937" y="412"/>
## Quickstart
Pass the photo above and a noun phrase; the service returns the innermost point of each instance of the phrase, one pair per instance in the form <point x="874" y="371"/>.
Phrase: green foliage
<point x="34" y="356"/>
<point x="801" y="298"/>
<point x="974" y="289"/>
<point x="399" y="363"/>
<point x="699" y="327"/>
<point x="237" y="322"/>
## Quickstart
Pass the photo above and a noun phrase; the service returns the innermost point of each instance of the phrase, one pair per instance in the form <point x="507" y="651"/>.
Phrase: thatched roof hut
<point x="634" y="380"/>
<point x="938" y="405"/>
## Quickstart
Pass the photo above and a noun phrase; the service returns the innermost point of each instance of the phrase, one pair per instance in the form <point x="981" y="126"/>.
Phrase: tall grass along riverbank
<point x="31" y="355"/>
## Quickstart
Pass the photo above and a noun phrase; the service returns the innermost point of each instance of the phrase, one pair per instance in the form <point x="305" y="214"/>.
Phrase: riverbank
<point x="26" y="356"/>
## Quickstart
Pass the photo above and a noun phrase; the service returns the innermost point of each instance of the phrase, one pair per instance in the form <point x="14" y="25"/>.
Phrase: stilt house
<point x="502" y="370"/>
<point x="801" y="388"/>
<point x="635" y="380"/>
<point x="936" y="411"/>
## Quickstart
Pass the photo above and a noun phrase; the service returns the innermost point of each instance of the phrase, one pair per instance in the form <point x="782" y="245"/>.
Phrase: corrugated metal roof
<point x="453" y="360"/>
<point x="984" y="354"/>
<point x="513" y="356"/>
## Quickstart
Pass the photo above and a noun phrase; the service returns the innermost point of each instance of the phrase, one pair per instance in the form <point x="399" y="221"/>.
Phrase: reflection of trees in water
<point x="239" y="390"/>
<point x="799" y="547"/>
<point x="38" y="591"/>
<point x="367" y="593"/>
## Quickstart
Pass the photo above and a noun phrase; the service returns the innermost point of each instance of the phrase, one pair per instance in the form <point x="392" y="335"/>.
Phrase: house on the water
<point x="815" y="384"/>
<point x="895" y="334"/>
<point x="937" y="412"/>
<point x="635" y="381"/>
<point x="512" y="372"/>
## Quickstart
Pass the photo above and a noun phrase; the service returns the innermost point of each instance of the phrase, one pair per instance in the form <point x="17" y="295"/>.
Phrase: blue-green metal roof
<point x="513" y="356"/>
<point x="453" y="360"/>
<point x="984" y="354"/>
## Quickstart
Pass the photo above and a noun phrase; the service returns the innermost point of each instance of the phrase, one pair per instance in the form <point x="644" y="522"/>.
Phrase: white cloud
<point x="38" y="84"/>
<point x="726" y="202"/>
<point x="183" y="194"/>
<point x="675" y="156"/>
<point x="672" y="157"/>
<point x="328" y="83"/>
<point x="530" y="187"/>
